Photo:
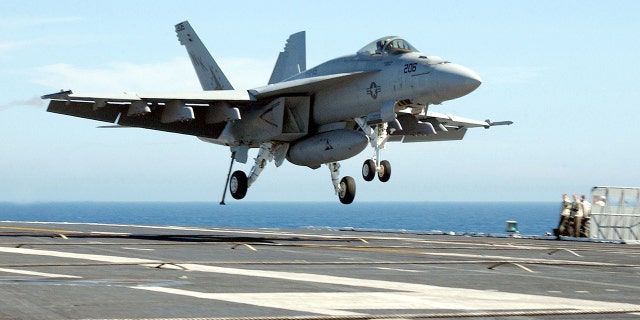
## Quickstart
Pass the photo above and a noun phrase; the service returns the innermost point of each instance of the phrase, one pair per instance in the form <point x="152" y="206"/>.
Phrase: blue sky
<point x="564" y="71"/>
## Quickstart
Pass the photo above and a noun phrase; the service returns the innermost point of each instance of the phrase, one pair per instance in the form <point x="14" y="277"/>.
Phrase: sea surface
<point x="533" y="218"/>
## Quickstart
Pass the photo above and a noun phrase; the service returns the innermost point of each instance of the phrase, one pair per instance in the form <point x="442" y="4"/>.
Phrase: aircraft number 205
<point x="410" y="67"/>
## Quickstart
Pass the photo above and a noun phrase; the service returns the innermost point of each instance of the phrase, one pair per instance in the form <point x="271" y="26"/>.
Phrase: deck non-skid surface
<point x="96" y="271"/>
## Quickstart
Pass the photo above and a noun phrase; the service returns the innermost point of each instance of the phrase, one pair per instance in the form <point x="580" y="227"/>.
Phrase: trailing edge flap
<point x="154" y="119"/>
<point x="306" y="85"/>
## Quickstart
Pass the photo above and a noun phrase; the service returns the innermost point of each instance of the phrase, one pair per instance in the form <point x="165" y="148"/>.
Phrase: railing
<point x="619" y="217"/>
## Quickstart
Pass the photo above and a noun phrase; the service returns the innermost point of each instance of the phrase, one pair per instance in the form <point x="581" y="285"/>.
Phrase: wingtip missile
<point x="497" y="123"/>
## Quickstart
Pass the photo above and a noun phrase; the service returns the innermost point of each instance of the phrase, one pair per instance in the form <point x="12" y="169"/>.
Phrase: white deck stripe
<point x="391" y="295"/>
<point x="83" y="256"/>
<point x="39" y="274"/>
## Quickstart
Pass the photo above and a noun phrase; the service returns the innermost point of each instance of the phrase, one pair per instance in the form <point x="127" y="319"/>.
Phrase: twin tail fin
<point x="209" y="73"/>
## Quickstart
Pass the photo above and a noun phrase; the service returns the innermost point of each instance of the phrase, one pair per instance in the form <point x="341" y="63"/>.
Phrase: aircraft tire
<point x="347" y="190"/>
<point x="368" y="170"/>
<point x="238" y="185"/>
<point x="385" y="171"/>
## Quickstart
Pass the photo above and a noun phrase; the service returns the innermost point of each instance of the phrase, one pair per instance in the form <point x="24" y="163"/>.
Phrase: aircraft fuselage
<point x="413" y="77"/>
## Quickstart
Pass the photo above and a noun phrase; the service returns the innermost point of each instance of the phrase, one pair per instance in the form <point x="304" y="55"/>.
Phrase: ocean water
<point x="534" y="218"/>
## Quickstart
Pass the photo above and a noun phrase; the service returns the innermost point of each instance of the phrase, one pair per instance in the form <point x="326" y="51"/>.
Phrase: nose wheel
<point x="369" y="170"/>
<point x="378" y="136"/>
<point x="384" y="171"/>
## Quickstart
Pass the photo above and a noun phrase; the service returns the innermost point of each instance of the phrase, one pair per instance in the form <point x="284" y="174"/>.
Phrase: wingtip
<point x="57" y="95"/>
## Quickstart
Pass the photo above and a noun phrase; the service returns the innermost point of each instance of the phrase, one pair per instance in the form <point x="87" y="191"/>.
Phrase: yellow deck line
<point x="38" y="229"/>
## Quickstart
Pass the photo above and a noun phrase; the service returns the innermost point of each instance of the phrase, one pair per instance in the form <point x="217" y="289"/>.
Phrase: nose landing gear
<point x="369" y="170"/>
<point x="378" y="136"/>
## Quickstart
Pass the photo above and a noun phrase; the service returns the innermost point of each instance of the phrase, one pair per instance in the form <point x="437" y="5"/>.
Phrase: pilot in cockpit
<point x="385" y="46"/>
<point x="388" y="45"/>
<point x="380" y="46"/>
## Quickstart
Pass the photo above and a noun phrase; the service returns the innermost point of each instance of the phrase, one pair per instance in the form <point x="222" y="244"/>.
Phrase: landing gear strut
<point x="346" y="188"/>
<point x="239" y="183"/>
<point x="224" y="193"/>
<point x="378" y="136"/>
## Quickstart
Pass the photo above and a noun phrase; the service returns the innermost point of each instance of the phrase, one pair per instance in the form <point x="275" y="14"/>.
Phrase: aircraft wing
<point x="434" y="126"/>
<point x="202" y="114"/>
<point x="191" y="97"/>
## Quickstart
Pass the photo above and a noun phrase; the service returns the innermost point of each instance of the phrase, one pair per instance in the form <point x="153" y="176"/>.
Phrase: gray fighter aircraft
<point x="309" y="117"/>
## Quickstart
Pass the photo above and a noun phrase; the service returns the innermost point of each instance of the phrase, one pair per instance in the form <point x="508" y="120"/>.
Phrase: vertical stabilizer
<point x="210" y="75"/>
<point x="292" y="60"/>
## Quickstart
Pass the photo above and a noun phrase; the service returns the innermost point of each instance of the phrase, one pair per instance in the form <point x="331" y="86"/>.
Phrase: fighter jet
<point x="309" y="117"/>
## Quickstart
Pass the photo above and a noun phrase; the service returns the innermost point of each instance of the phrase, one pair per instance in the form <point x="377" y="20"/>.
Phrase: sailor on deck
<point x="565" y="213"/>
<point x="578" y="214"/>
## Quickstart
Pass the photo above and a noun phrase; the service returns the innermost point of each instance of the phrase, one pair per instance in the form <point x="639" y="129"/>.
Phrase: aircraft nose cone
<point x="456" y="81"/>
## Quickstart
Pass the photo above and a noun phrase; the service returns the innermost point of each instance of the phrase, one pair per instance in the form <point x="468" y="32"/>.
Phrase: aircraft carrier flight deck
<point x="99" y="271"/>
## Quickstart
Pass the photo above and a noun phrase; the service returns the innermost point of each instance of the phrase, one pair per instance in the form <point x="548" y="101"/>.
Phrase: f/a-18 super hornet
<point x="309" y="117"/>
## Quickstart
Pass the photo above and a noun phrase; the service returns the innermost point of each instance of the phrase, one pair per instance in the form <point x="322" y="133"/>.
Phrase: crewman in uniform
<point x="577" y="217"/>
<point x="586" y="209"/>
<point x="565" y="213"/>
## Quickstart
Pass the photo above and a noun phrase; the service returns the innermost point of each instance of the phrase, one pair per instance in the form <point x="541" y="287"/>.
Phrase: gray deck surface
<point x="94" y="271"/>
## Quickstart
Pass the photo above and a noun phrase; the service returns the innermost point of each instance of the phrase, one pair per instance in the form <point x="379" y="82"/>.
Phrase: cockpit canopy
<point x="387" y="45"/>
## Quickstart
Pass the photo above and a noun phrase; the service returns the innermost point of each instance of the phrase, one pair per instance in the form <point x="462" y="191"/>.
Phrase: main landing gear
<point x="345" y="187"/>
<point x="239" y="183"/>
